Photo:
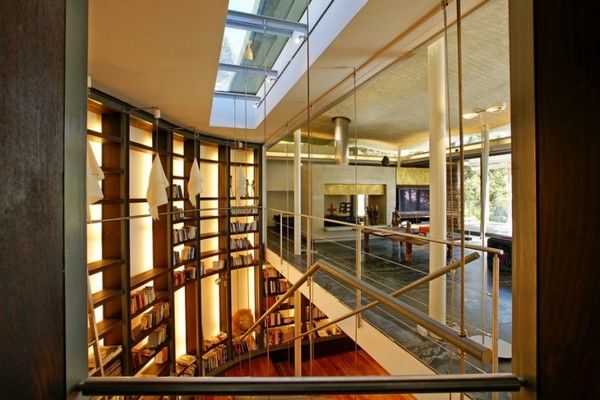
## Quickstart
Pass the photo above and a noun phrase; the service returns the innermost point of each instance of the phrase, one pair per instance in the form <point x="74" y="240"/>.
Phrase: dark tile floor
<point x="383" y="268"/>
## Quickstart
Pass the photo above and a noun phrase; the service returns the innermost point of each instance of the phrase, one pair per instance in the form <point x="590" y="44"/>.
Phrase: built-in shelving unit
<point x="165" y="291"/>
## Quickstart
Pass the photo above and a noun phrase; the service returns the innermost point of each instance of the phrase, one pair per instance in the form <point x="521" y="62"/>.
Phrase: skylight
<point x="264" y="53"/>
<point x="245" y="45"/>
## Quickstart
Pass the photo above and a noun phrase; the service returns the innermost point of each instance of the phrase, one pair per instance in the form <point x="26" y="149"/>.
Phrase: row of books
<point x="277" y="318"/>
<point x="208" y="343"/>
<point x="207" y="267"/>
<point x="185" y="233"/>
<point x="316" y="313"/>
<point x="270" y="272"/>
<point x="142" y="298"/>
<point x="329" y="331"/>
<point x="186" y="254"/>
<point x="246" y="345"/>
<point x="277" y="336"/>
<point x="154" y="317"/>
<point x="212" y="359"/>
<point x="276" y="286"/>
<point x="140" y="355"/>
<point x="184" y="275"/>
<point x="241" y="227"/>
<point x="162" y="356"/>
<point x="269" y="300"/>
<point x="240" y="244"/>
<point x="177" y="192"/>
<point x="241" y="259"/>
<point x="108" y="354"/>
<point x="178" y="213"/>
<point x="244" y="210"/>
<point x="185" y="365"/>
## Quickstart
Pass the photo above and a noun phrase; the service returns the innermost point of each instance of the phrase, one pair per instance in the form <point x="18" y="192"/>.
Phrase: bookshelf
<point x="106" y="241"/>
<point x="165" y="291"/>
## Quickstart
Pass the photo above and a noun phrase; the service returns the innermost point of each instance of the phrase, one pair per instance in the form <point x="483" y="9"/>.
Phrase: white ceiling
<point x="392" y="107"/>
<point x="165" y="54"/>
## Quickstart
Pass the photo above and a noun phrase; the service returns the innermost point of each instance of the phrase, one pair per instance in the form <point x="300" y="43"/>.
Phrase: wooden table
<point x="407" y="241"/>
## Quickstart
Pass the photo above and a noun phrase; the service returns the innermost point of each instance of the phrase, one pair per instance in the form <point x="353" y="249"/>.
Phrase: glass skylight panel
<point x="290" y="10"/>
<point x="255" y="49"/>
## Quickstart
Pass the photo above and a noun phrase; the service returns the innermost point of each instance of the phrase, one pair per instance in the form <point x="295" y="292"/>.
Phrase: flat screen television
<point x="413" y="199"/>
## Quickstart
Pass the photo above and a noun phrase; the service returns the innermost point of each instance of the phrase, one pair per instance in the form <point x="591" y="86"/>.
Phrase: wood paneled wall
<point x="567" y="54"/>
<point x="32" y="314"/>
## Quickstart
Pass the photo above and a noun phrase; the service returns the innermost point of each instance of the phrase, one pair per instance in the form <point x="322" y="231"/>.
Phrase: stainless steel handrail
<point x="444" y="332"/>
<point x="434" y="275"/>
<point x="269" y="386"/>
<point x="390" y="232"/>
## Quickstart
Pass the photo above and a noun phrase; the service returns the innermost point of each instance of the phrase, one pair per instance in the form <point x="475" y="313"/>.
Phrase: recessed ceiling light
<point x="470" y="115"/>
<point x="496" y="108"/>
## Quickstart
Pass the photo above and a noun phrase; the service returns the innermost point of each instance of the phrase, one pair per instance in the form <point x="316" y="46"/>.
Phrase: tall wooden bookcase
<point x="168" y="288"/>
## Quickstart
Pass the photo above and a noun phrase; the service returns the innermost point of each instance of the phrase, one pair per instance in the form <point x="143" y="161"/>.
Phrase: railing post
<point x="281" y="238"/>
<point x="297" y="333"/>
<point x="309" y="261"/>
<point x="358" y="269"/>
<point x="495" y="299"/>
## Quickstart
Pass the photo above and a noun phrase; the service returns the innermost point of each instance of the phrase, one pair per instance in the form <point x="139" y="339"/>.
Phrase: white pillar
<point x="297" y="192"/>
<point x="437" y="173"/>
<point x="485" y="185"/>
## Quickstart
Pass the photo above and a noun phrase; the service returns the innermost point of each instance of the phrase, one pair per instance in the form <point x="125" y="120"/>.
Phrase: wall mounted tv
<point x="413" y="199"/>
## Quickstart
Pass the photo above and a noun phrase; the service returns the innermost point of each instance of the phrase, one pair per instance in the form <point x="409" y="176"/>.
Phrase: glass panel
<point x="290" y="10"/>
<point x="245" y="48"/>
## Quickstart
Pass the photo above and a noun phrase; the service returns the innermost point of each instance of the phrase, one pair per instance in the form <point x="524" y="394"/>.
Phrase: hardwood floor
<point x="348" y="363"/>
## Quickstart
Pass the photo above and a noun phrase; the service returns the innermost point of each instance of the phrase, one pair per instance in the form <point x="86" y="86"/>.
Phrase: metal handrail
<point x="444" y="332"/>
<point x="434" y="275"/>
<point x="281" y="386"/>
<point x="390" y="232"/>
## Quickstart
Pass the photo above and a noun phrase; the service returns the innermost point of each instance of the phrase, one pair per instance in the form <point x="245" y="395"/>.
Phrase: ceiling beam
<point x="259" y="23"/>
<point x="236" y="96"/>
<point x="247" y="69"/>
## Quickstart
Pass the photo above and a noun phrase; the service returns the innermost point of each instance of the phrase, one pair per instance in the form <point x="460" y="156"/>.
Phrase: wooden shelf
<point x="244" y="233"/>
<point x="212" y="346"/>
<point x="113" y="170"/>
<point x="138" y="200"/>
<point x="144" y="363"/>
<point x="110" y="201"/>
<point x="104" y="327"/>
<point x="161" y="297"/>
<point x="184" y="220"/>
<point x="211" y="253"/>
<point x="181" y="178"/>
<point x="183" y="157"/>
<point x="244" y="215"/>
<point x="184" y="242"/>
<point x="103" y="137"/>
<point x="185" y="283"/>
<point x="208" y="198"/>
<point x="144" y="277"/>
<point x="104" y="296"/>
<point x="280" y="325"/>
<point x="141" y="147"/>
<point x="211" y="161"/>
<point x="243" y="164"/>
<point x="137" y="334"/>
<point x="209" y="235"/>
<point x="248" y="249"/>
<point x="212" y="272"/>
<point x="102" y="265"/>
<point x="107" y="360"/>
<point x="186" y="262"/>
<point x="233" y="268"/>
<point x="205" y="217"/>
<point x="155" y="369"/>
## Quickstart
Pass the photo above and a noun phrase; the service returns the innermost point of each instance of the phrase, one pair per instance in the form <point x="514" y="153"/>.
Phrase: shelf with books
<point x="141" y="356"/>
<point x="107" y="241"/>
<point x="186" y="365"/>
<point x="141" y="302"/>
<point x="141" y="331"/>
<point x="110" y="355"/>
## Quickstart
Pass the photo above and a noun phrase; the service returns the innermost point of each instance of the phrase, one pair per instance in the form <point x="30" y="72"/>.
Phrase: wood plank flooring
<point x="348" y="363"/>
